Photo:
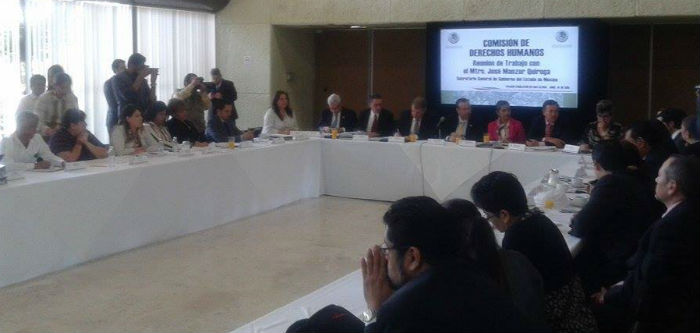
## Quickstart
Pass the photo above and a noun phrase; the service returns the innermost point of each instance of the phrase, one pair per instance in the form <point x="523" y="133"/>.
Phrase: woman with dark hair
<point x="196" y="98"/>
<point x="511" y="271"/>
<point x="73" y="142"/>
<point x="155" y="126"/>
<point x="505" y="129"/>
<point x="279" y="119"/>
<point x="531" y="233"/>
<point x="604" y="129"/>
<point x="129" y="137"/>
<point x="181" y="128"/>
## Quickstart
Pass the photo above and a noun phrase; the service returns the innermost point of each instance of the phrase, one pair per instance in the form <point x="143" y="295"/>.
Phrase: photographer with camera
<point x="195" y="96"/>
<point x="130" y="86"/>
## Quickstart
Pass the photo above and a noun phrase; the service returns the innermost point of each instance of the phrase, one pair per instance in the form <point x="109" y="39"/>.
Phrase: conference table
<point x="50" y="221"/>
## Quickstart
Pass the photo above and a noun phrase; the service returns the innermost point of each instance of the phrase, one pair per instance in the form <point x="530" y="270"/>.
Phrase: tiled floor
<point x="211" y="281"/>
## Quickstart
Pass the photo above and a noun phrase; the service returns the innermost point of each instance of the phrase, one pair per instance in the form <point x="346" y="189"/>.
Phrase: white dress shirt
<point x="50" y="108"/>
<point x="27" y="103"/>
<point x="415" y="126"/>
<point x="272" y="124"/>
<point x="17" y="156"/>
<point x="372" y="118"/>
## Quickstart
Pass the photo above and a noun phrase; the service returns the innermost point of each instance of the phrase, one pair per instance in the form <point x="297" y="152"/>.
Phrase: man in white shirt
<point x="53" y="104"/>
<point x="37" y="84"/>
<point x="25" y="149"/>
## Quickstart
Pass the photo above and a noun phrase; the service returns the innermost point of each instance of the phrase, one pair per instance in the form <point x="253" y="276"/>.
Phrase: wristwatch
<point x="368" y="315"/>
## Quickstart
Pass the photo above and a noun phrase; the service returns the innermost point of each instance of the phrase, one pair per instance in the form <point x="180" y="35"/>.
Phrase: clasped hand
<point x="377" y="288"/>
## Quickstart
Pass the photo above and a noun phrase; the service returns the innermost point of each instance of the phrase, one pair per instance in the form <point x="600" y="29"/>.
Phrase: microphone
<point x="439" y="129"/>
<point x="442" y="120"/>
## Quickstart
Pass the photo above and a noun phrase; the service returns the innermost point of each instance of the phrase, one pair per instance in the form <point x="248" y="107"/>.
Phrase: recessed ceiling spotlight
<point x="357" y="27"/>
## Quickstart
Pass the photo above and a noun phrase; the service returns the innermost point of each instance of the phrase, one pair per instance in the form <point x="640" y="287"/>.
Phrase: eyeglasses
<point x="385" y="248"/>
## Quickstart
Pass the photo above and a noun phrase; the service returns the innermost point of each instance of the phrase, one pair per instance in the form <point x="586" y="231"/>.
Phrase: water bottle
<point x="111" y="157"/>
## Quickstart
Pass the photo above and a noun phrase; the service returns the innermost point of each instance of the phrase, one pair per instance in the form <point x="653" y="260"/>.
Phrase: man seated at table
<point x="612" y="221"/>
<point x="417" y="120"/>
<point x="548" y="129"/>
<point x="672" y="119"/>
<point x="221" y="127"/>
<point x="420" y="279"/>
<point x="336" y="116"/>
<point x="377" y="121"/>
<point x="651" y="142"/>
<point x="25" y="149"/>
<point x="691" y="136"/>
<point x="73" y="142"/>
<point x="661" y="292"/>
<point x="180" y="128"/>
<point x="459" y="124"/>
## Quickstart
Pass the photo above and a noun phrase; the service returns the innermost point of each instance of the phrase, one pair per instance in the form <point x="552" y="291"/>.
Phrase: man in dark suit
<point x="548" y="128"/>
<point x="419" y="280"/>
<point x="417" y="120"/>
<point x="612" y="222"/>
<point x="661" y="292"/>
<point x="336" y="116"/>
<point x="222" y="89"/>
<point x="652" y="145"/>
<point x="377" y="121"/>
<point x="118" y="66"/>
<point x="672" y="119"/>
<point x="459" y="124"/>
<point x="222" y="127"/>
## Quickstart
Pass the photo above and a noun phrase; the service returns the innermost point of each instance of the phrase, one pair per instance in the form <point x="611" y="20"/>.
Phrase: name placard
<point x="308" y="134"/>
<point x="439" y="142"/>
<point x="360" y="137"/>
<point x="396" y="139"/>
<point x="467" y="143"/>
<point x="572" y="149"/>
<point x="516" y="146"/>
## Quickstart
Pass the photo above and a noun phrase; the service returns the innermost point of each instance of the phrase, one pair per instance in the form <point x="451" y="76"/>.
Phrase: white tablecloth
<point x="50" y="221"/>
<point x="390" y="171"/>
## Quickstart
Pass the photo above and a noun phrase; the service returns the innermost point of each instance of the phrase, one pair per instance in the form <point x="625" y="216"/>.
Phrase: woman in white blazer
<point x="279" y="119"/>
<point x="130" y="137"/>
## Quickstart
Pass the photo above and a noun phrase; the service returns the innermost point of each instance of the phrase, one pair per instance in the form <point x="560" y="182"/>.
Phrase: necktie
<point x="548" y="131"/>
<point x="375" y="123"/>
<point x="415" y="126"/>
<point x="334" y="122"/>
<point x="460" y="129"/>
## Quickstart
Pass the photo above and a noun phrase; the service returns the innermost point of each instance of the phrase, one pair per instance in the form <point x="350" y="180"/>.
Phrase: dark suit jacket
<point x="653" y="161"/>
<point x="538" y="128"/>
<point x="473" y="133"/>
<point x="386" y="125"/>
<point x="662" y="288"/>
<point x="348" y="119"/>
<point x="220" y="131"/>
<point x="457" y="299"/>
<point x="610" y="226"/>
<point x="184" y="131"/>
<point x="679" y="144"/>
<point x="228" y="93"/>
<point x="427" y="125"/>
<point x="112" y="113"/>
<point x="693" y="150"/>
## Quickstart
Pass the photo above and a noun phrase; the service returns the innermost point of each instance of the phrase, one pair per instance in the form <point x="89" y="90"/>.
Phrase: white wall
<point x="245" y="28"/>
